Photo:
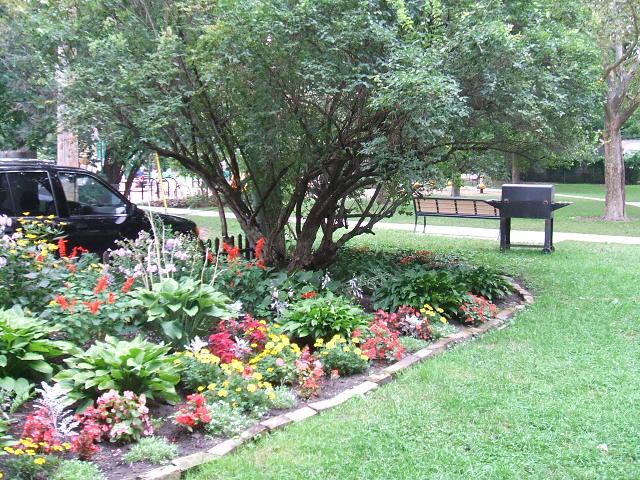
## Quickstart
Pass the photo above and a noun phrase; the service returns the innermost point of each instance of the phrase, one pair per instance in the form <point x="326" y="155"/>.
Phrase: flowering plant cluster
<point x="421" y="256"/>
<point x="235" y="383"/>
<point x="195" y="413"/>
<point x="238" y="339"/>
<point x="310" y="371"/>
<point x="342" y="356"/>
<point x="477" y="309"/>
<point x="379" y="341"/>
<point x="88" y="314"/>
<point x="39" y="435"/>
<point x="118" y="418"/>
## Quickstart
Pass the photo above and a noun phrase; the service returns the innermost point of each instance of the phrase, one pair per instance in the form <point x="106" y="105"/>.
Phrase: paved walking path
<point x="517" y="236"/>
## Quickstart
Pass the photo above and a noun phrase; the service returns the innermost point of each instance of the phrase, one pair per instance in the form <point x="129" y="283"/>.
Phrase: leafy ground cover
<point x="552" y="396"/>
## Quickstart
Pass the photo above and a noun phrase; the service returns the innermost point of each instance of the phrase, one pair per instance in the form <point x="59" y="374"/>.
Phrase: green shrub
<point x="25" y="347"/>
<point x="136" y="365"/>
<point x="154" y="449"/>
<point x="226" y="420"/>
<point x="178" y="311"/>
<point x="484" y="281"/>
<point x="197" y="373"/>
<point x="416" y="286"/>
<point x="77" y="470"/>
<point x="440" y="330"/>
<point x="322" y="317"/>
<point x="14" y="393"/>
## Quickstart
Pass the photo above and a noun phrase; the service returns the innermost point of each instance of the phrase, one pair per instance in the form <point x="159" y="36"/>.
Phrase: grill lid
<point x="515" y="192"/>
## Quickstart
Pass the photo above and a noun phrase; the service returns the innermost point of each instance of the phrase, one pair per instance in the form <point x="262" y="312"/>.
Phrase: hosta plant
<point x="25" y="347"/>
<point x="322" y="316"/>
<point x="137" y="365"/>
<point x="179" y="311"/>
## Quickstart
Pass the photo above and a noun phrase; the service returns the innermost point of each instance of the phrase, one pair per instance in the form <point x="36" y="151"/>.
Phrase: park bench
<point x="451" y="207"/>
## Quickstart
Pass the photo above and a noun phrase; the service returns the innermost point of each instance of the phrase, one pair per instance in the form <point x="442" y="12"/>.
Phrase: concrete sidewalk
<point x="517" y="236"/>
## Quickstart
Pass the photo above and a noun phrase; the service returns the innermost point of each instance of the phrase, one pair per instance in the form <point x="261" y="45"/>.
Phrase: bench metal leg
<point x="424" y="224"/>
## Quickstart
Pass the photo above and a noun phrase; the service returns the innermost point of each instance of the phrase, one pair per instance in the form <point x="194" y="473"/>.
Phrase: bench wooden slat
<point x="453" y="207"/>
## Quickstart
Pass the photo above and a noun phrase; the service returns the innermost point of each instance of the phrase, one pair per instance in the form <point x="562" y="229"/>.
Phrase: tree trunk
<point x="516" y="174"/>
<point x="614" y="175"/>
<point x="224" y="230"/>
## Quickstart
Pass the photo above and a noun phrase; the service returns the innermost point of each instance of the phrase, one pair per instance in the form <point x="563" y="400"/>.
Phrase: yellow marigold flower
<point x="443" y="320"/>
<point x="1" y="475"/>
<point x="26" y="214"/>
<point x="268" y="385"/>
<point x="30" y="451"/>
<point x="355" y="340"/>
<point x="177" y="361"/>
<point x="254" y="345"/>
<point x="257" y="376"/>
<point x="13" y="251"/>
<point x="40" y="217"/>
<point x="39" y="461"/>
<point x="188" y="354"/>
<point x="48" y="221"/>
<point x="18" y="451"/>
<point x="271" y="395"/>
<point x="225" y="383"/>
<point x="51" y="216"/>
<point x="67" y="446"/>
<point x="200" y="388"/>
<point x="63" y="223"/>
<point x="222" y="393"/>
<point x="234" y="405"/>
<point x="364" y="357"/>
<point x="52" y="303"/>
<point x="211" y="386"/>
<point x="270" y="369"/>
<point x="346" y="349"/>
<point x="324" y="352"/>
<point x="439" y="310"/>
<point x="276" y="325"/>
<point x="357" y="351"/>
<point x="31" y="235"/>
<point x="269" y="345"/>
<point x="52" y="246"/>
<point x="9" y="450"/>
<point x="251" y="388"/>
<point x="238" y="389"/>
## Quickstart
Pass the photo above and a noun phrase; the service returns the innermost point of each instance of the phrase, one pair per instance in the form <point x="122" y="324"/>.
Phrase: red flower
<point x="309" y="295"/>
<point x="112" y="298"/>
<point x="232" y="252"/>
<point x="102" y="284"/>
<point x="128" y="283"/>
<point x="210" y="257"/>
<point x="93" y="307"/>
<point x="72" y="268"/>
<point x="62" y="247"/>
<point x="62" y="300"/>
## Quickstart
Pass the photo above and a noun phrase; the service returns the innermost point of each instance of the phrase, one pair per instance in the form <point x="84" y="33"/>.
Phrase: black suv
<point x="95" y="213"/>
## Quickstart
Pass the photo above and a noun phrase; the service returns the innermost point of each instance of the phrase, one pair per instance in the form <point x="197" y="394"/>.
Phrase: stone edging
<point x="180" y="465"/>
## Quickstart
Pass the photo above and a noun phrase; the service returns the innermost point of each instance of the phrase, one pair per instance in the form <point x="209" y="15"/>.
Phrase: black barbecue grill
<point x="527" y="201"/>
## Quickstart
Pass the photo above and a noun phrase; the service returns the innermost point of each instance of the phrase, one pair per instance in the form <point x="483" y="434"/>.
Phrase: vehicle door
<point x="97" y="214"/>
<point x="27" y="194"/>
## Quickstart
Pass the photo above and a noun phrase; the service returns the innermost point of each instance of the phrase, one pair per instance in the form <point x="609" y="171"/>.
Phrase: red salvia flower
<point x="112" y="298"/>
<point x="93" y="306"/>
<point x="232" y="252"/>
<point x="309" y="295"/>
<point x="210" y="257"/>
<point x="71" y="267"/>
<point x="128" y="283"/>
<point x="77" y="250"/>
<point x="62" y="247"/>
<point x="102" y="284"/>
<point x="62" y="300"/>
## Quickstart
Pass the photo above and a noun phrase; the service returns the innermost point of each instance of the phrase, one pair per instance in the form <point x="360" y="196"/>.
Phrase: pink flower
<point x="280" y="362"/>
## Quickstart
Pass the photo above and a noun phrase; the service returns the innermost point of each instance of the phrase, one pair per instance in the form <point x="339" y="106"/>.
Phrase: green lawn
<point x="589" y="190"/>
<point x="532" y="401"/>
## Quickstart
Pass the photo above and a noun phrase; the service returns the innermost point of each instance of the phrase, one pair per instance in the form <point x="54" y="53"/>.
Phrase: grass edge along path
<point x="552" y="396"/>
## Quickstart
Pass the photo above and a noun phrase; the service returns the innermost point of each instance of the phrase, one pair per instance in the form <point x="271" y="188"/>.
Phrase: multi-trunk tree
<point x="293" y="109"/>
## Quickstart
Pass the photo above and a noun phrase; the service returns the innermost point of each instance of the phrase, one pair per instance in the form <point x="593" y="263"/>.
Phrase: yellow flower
<point x="200" y="388"/>
<point x="40" y="217"/>
<point x="18" y="451"/>
<point x="31" y="235"/>
<point x="9" y="450"/>
<point x="346" y="349"/>
<point x="51" y="216"/>
<point x="257" y="376"/>
<point x="357" y="351"/>
<point x="238" y="389"/>
<point x="234" y="404"/>
<point x="225" y="383"/>
<point x="270" y="369"/>
<point x="177" y="361"/>
<point x="40" y="461"/>
<point x="26" y="214"/>
<point x="1" y="475"/>
<point x="271" y="395"/>
<point x="251" y="388"/>
<point x="222" y="393"/>
<point x="211" y="386"/>
<point x="324" y="352"/>
<point x="439" y="310"/>
<point x="30" y="451"/>
<point x="276" y="325"/>
<point x="355" y="340"/>
<point x="67" y="446"/>
<point x="364" y="357"/>
<point x="63" y="223"/>
<point x="267" y="385"/>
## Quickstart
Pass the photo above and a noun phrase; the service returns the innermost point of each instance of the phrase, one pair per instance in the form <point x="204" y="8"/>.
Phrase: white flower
<point x="325" y="280"/>
<point x="196" y="345"/>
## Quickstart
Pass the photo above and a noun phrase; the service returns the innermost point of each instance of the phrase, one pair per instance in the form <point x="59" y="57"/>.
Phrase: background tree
<point x="307" y="104"/>
<point x="618" y="37"/>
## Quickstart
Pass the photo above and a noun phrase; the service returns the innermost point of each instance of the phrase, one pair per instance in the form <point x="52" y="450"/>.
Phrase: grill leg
<point x="505" y="233"/>
<point x="424" y="224"/>
<point x="548" y="236"/>
<point x="415" y="224"/>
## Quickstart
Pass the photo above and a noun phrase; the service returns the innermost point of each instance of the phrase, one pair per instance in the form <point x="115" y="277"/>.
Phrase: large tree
<point x="618" y="35"/>
<point x="308" y="103"/>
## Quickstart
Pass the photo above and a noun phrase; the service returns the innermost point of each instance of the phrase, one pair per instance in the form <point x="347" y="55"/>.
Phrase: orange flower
<point x="112" y="298"/>
<point x="62" y="300"/>
<point x="102" y="284"/>
<point x="62" y="247"/>
<point x="93" y="307"/>
<point x="128" y="283"/>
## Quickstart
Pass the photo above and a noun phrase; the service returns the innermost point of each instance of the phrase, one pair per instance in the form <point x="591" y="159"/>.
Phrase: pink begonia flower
<point x="128" y="394"/>
<point x="279" y="362"/>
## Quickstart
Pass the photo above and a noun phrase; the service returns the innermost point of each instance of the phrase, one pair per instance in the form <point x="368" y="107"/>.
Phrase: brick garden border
<point x="178" y="466"/>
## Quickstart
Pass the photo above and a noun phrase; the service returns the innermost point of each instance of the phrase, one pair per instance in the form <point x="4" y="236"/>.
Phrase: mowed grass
<point x="553" y="396"/>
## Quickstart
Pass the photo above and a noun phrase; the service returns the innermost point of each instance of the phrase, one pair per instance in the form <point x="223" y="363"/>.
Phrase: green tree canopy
<point x="307" y="103"/>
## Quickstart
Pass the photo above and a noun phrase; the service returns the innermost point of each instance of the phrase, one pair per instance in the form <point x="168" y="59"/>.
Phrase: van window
<point x="87" y="196"/>
<point x="32" y="193"/>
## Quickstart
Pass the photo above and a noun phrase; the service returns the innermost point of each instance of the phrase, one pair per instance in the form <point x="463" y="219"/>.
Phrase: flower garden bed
<point x="170" y="349"/>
